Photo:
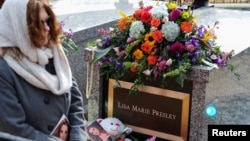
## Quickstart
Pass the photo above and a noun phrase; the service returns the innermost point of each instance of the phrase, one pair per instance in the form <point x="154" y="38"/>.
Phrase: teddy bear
<point x="115" y="128"/>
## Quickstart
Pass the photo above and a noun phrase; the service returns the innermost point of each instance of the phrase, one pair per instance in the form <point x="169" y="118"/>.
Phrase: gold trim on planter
<point x="183" y="99"/>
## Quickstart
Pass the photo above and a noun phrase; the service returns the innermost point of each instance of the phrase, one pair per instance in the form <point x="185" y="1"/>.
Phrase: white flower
<point x="147" y="72"/>
<point x="170" y="30"/>
<point x="153" y="28"/>
<point x="111" y="29"/>
<point x="159" y="11"/>
<point x="99" y="42"/>
<point x="165" y="19"/>
<point x="169" y="62"/>
<point x="136" y="29"/>
<point x="214" y="57"/>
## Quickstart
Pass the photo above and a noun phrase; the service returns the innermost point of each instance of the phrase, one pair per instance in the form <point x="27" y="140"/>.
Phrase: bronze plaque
<point x="153" y="111"/>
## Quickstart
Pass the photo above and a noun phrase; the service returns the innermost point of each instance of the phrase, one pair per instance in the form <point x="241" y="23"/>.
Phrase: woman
<point x="36" y="84"/>
<point x="97" y="133"/>
<point x="63" y="133"/>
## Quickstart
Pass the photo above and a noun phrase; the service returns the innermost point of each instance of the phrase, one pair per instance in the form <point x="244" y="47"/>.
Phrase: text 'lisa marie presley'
<point x="152" y="112"/>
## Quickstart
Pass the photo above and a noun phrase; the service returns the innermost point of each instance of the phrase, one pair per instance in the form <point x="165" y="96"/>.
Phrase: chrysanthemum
<point x="175" y="14"/>
<point x="177" y="48"/>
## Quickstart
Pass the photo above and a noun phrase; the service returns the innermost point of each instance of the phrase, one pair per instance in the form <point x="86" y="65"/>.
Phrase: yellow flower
<point x="149" y="38"/>
<point x="171" y="5"/>
<point x="208" y="35"/>
<point x="185" y="15"/>
<point x="138" y="54"/>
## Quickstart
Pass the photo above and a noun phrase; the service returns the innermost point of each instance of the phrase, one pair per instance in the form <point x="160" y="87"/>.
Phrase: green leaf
<point x="180" y="79"/>
<point x="66" y="51"/>
<point x="91" y="43"/>
<point x="71" y="44"/>
<point x="100" y="53"/>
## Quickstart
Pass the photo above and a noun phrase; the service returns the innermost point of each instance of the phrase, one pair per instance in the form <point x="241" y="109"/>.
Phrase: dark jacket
<point x="30" y="112"/>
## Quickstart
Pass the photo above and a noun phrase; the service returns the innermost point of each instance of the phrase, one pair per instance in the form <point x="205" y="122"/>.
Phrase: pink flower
<point x="175" y="14"/>
<point x="151" y="139"/>
<point x="118" y="52"/>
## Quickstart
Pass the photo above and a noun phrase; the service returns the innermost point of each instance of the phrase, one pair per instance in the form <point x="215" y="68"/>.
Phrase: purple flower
<point x="99" y="64"/>
<point x="201" y="31"/>
<point x="62" y="23"/>
<point x="177" y="48"/>
<point x="118" y="64"/>
<point x="221" y="62"/>
<point x="208" y="53"/>
<point x="193" y="59"/>
<point x="106" y="41"/>
<point x="192" y="44"/>
<point x="69" y="34"/>
<point x="161" y="65"/>
<point x="194" y="56"/>
<point x="111" y="59"/>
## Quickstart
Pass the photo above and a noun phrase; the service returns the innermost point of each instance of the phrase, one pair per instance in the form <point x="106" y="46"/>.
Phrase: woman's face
<point x="46" y="21"/>
<point x="94" y="131"/>
<point x="64" y="132"/>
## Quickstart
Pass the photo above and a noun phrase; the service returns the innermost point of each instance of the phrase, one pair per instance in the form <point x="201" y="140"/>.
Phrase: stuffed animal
<point x="115" y="128"/>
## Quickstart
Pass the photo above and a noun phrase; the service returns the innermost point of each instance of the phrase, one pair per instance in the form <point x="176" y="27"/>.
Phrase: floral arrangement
<point x="67" y="39"/>
<point x="157" y="42"/>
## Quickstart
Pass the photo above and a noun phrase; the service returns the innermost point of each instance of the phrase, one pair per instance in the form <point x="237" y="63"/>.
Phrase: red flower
<point x="120" y="139"/>
<point x="186" y="27"/>
<point x="151" y="60"/>
<point x="146" y="17"/>
<point x="155" y="22"/>
<point x="157" y="35"/>
<point x="146" y="47"/>
<point x="137" y="13"/>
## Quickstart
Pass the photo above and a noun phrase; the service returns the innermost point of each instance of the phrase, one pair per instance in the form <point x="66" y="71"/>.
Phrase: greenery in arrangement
<point x="157" y="43"/>
<point x="67" y="40"/>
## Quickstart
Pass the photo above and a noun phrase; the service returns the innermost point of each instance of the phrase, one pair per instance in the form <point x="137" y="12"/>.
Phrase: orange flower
<point x="186" y="27"/>
<point x="157" y="35"/>
<point x="151" y="59"/>
<point x="147" y="47"/>
<point x="122" y="23"/>
<point x="155" y="22"/>
<point x="138" y="54"/>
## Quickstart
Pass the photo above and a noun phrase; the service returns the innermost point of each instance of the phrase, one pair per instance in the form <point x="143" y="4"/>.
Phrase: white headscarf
<point x="14" y="33"/>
